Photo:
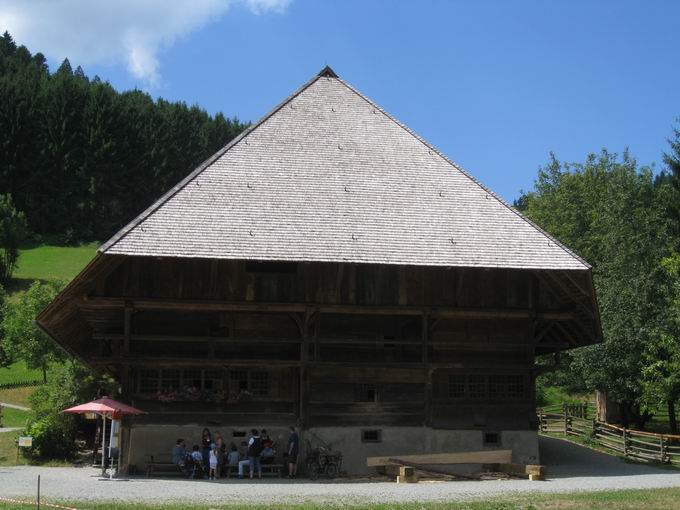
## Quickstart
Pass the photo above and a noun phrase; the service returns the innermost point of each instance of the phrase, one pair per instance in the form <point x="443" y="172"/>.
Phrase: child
<point x="232" y="459"/>
<point x="197" y="459"/>
<point x="214" y="459"/>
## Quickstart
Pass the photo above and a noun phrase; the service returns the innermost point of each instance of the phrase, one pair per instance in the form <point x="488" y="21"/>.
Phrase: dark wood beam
<point x="434" y="312"/>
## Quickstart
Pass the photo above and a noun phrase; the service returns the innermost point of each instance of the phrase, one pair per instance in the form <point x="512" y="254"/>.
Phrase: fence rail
<point x="20" y="384"/>
<point x="573" y="420"/>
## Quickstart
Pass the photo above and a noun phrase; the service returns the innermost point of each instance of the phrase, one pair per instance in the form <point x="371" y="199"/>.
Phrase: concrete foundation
<point x="158" y="440"/>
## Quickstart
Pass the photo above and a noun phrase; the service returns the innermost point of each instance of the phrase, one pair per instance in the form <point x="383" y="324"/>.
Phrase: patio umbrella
<point x="105" y="407"/>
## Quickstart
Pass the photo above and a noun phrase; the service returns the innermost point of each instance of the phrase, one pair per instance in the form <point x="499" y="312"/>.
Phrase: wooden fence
<point x="580" y="421"/>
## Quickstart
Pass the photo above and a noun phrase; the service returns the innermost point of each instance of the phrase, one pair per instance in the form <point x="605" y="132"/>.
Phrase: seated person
<point x="268" y="453"/>
<point x="197" y="462"/>
<point x="179" y="455"/>
<point x="232" y="459"/>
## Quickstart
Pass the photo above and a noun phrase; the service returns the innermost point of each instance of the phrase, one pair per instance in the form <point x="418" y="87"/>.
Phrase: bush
<point x="53" y="432"/>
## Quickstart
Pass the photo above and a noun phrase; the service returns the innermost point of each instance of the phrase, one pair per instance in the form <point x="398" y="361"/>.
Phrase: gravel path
<point x="9" y="429"/>
<point x="579" y="469"/>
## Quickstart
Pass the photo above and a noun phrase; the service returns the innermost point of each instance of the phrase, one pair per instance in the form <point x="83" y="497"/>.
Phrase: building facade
<point x="331" y="270"/>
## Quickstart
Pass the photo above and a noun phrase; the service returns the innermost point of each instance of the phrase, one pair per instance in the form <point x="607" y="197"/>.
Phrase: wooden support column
<point x="127" y="329"/>
<point x="303" y="381"/>
<point x="425" y="333"/>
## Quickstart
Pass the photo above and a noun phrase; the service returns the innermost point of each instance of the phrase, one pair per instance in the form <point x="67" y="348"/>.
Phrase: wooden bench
<point x="162" y="464"/>
<point x="267" y="470"/>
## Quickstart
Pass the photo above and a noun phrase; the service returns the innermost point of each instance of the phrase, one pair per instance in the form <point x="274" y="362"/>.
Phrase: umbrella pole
<point x="110" y="448"/>
<point x="104" y="446"/>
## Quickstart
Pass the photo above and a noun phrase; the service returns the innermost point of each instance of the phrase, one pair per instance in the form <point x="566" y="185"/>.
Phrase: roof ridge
<point x="464" y="172"/>
<point x="203" y="166"/>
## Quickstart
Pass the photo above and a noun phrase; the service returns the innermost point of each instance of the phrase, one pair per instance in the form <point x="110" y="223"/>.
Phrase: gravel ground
<point x="571" y="468"/>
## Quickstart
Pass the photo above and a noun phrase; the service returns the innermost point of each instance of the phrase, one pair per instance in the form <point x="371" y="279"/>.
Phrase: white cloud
<point x="109" y="32"/>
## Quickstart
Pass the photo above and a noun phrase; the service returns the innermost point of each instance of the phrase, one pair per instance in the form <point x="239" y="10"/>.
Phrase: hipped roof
<point x="328" y="176"/>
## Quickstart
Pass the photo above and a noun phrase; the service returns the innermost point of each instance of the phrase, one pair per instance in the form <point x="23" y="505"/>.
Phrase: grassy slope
<point x="14" y="417"/>
<point x="53" y="262"/>
<point x="17" y="396"/>
<point x="18" y="372"/>
<point x="657" y="499"/>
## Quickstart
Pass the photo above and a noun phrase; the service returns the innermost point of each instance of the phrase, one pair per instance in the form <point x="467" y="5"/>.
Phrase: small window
<point x="238" y="433"/>
<point x="259" y="383"/>
<point x="212" y="380"/>
<point x="170" y="379"/>
<point x="371" y="436"/>
<point x="457" y="386"/>
<point x="516" y="386"/>
<point x="255" y="266"/>
<point x="492" y="438"/>
<point x="496" y="386"/>
<point x="193" y="379"/>
<point x="238" y="381"/>
<point x="477" y="386"/>
<point x="148" y="381"/>
<point x="365" y="393"/>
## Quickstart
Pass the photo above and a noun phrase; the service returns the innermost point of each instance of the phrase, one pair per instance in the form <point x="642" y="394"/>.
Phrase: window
<point x="516" y="386"/>
<point x="238" y="433"/>
<point x="457" y="386"/>
<point x="238" y="380"/>
<point x="169" y="379"/>
<point x="492" y="438"/>
<point x="148" y="381"/>
<point x="259" y="382"/>
<point x="371" y="436"/>
<point x="496" y="386"/>
<point x="365" y="393"/>
<point x="212" y="380"/>
<point x="477" y="386"/>
<point x="193" y="379"/>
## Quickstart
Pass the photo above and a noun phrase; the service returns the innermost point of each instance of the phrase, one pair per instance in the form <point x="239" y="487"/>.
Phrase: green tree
<point x="612" y="213"/>
<point x="70" y="384"/>
<point x="672" y="160"/>
<point x="12" y="234"/>
<point x="22" y="338"/>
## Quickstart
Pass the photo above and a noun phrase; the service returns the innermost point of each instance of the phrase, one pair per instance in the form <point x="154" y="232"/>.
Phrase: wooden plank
<point x="480" y="457"/>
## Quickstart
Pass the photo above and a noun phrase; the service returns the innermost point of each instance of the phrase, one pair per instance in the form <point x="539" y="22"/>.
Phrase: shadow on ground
<point x="566" y="460"/>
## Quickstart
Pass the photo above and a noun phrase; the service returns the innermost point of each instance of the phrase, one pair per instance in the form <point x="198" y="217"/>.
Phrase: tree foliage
<point x="70" y="384"/>
<point x="21" y="337"/>
<point x="612" y="213"/>
<point x="81" y="159"/>
<point x="12" y="234"/>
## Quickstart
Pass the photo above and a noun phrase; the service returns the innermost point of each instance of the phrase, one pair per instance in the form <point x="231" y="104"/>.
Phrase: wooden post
<point x="37" y="501"/>
<point x="127" y="330"/>
<point x="566" y="421"/>
<point x="662" y="449"/>
<point x="625" y="442"/>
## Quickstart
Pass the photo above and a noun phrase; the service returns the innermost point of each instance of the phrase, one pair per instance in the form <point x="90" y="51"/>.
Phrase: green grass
<point x="17" y="396"/>
<point x="656" y="499"/>
<point x="14" y="417"/>
<point x="53" y="262"/>
<point x="19" y="372"/>
<point x="555" y="395"/>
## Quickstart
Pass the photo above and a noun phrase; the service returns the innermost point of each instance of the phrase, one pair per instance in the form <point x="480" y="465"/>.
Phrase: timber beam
<point x="89" y="303"/>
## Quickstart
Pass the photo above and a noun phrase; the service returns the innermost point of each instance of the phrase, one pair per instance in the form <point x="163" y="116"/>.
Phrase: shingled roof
<point x="328" y="176"/>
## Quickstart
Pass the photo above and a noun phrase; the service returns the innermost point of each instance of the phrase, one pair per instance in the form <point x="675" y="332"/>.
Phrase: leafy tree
<point x="70" y="384"/>
<point x="662" y="354"/>
<point x="22" y="339"/>
<point x="672" y="160"/>
<point x="5" y="358"/>
<point x="12" y="234"/>
<point x="612" y="213"/>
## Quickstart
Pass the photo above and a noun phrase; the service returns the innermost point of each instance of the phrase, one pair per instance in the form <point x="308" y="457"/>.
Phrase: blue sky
<point x="495" y="85"/>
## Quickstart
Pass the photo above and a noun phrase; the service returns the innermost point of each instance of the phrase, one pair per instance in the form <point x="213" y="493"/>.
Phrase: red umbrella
<point x="106" y="407"/>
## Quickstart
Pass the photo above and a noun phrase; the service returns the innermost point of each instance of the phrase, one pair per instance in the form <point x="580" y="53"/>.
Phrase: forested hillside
<point x="81" y="159"/>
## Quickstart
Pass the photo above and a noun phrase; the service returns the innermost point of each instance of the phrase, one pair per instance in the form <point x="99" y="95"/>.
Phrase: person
<point x="254" y="451"/>
<point x="268" y="453"/>
<point x="214" y="461"/>
<point x="232" y="459"/>
<point x="206" y="441"/>
<point x="179" y="455"/>
<point x="293" y="452"/>
<point x="221" y="453"/>
<point x="197" y="461"/>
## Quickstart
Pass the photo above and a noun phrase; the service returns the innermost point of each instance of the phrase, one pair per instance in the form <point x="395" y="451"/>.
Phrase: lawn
<point x="657" y="499"/>
<point x="53" y="262"/>
<point x="14" y="417"/>
<point x="17" y="396"/>
<point x="19" y="372"/>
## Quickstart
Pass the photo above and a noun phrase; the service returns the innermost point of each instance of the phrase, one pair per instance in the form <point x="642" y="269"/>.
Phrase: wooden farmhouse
<point x="329" y="269"/>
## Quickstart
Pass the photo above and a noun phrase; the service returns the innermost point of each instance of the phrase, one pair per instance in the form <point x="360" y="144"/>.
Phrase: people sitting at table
<point x="254" y="451"/>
